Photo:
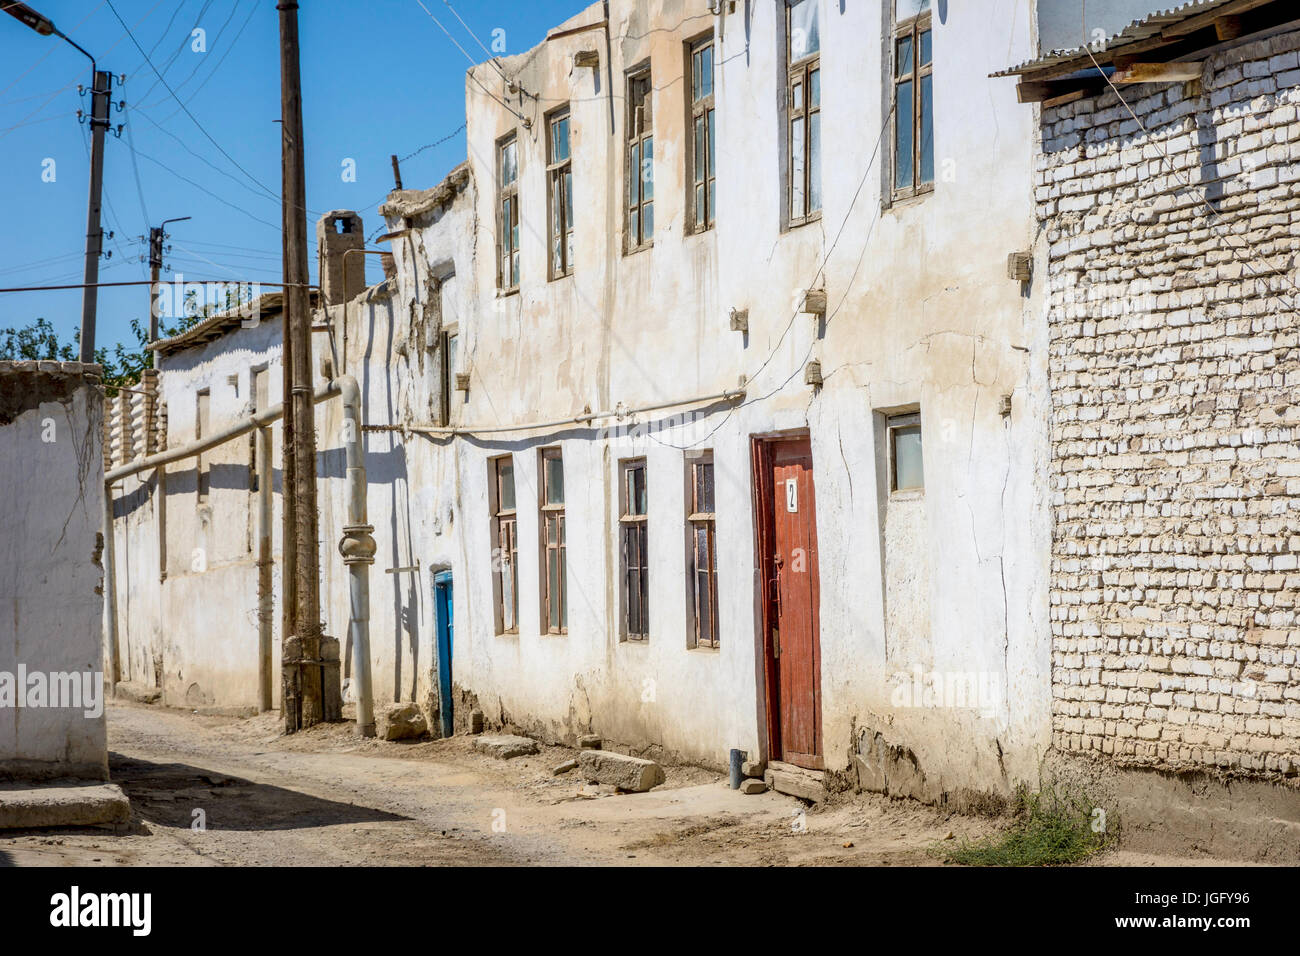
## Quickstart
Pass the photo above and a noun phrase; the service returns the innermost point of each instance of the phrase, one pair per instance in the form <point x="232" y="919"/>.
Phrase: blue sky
<point x="379" y="77"/>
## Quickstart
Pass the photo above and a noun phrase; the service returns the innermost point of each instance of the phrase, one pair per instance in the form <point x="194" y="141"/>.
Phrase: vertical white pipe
<point x="358" y="549"/>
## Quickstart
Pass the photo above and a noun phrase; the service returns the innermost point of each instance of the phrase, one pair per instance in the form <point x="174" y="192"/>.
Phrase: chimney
<point x="341" y="276"/>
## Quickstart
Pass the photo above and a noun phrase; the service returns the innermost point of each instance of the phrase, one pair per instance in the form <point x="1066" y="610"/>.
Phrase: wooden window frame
<point x="633" y="524"/>
<point x="702" y="112"/>
<point x="799" y="75"/>
<point x="203" y="471"/>
<point x="911" y="28"/>
<point x="447" y="381"/>
<point x="253" y="373"/>
<point x="549" y="514"/>
<point x="505" y="545"/>
<point x="507" y="213"/>
<point x="559" y="182"/>
<point x="893" y="425"/>
<point x="640" y="132"/>
<point x="698" y="519"/>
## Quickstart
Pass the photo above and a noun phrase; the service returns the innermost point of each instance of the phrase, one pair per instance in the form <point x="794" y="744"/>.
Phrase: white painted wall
<point x="52" y="617"/>
<point x="921" y="313"/>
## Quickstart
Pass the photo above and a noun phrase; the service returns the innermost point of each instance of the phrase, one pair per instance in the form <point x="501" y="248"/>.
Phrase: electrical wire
<point x="202" y="129"/>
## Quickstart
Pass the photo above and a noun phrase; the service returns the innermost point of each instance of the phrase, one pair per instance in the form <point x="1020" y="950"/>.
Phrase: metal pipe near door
<point x="355" y="543"/>
<point x="358" y="550"/>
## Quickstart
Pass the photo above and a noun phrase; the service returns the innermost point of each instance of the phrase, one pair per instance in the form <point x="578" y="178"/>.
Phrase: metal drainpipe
<point x="358" y="550"/>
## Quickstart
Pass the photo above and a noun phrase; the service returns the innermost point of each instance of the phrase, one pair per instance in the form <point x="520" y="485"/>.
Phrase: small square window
<point x="905" y="465"/>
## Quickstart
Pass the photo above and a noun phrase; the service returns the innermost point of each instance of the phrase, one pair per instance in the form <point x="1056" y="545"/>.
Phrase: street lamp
<point x="101" y="88"/>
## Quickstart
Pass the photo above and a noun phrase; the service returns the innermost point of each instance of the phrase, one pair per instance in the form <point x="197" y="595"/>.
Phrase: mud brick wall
<point x="1175" y="385"/>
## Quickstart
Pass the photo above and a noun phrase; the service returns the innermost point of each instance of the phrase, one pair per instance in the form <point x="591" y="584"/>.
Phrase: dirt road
<point x="225" y="791"/>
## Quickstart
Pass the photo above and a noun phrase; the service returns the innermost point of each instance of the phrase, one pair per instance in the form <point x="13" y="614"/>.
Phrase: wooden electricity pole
<point x="303" y="685"/>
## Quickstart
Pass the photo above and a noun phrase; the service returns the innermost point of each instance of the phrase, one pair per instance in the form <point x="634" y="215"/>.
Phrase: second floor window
<point x="508" y="228"/>
<point x="913" y="100"/>
<point x="559" y="170"/>
<point x="804" y="106"/>
<point x="700" y="150"/>
<point x="555" y="612"/>
<point x="640" y="161"/>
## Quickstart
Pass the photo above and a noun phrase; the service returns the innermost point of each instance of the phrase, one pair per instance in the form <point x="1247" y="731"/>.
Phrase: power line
<point x="491" y="56"/>
<point x="216" y="69"/>
<point x="520" y="116"/>
<point x="215" y="42"/>
<point x="186" y="110"/>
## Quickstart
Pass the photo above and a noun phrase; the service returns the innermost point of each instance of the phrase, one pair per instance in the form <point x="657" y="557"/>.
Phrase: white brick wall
<point x="1175" y="361"/>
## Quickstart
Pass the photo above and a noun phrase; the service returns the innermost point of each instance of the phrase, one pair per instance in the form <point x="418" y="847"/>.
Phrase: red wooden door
<point x="794" y="647"/>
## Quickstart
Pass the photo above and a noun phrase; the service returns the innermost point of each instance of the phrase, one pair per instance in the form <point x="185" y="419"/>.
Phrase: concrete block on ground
<point x="590" y="742"/>
<point x="750" y="785"/>
<point x="62" y="804"/>
<point x="565" y="767"/>
<point x="619" y="770"/>
<point x="796" y="781"/>
<point x="140" y="693"/>
<point x="505" y="746"/>
<point x="401" y="722"/>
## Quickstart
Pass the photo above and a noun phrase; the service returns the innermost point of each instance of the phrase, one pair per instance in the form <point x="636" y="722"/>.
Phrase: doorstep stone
<point x="796" y="781"/>
<point x="62" y="804"/>
<point x="505" y="746"/>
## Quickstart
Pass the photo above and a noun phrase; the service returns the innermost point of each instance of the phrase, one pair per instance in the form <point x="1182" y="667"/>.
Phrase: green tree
<point x="122" y="363"/>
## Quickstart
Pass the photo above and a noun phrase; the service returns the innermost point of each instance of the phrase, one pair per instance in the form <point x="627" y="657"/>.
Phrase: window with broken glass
<point x="803" y="107"/>
<point x="555" y="618"/>
<point x="913" y="100"/>
<point x="559" y="171"/>
<point x="633" y="524"/>
<point x="508" y="210"/>
<point x="704" y="565"/>
<point x="700" y="150"/>
<point x="505" y="552"/>
<point x="640" y="161"/>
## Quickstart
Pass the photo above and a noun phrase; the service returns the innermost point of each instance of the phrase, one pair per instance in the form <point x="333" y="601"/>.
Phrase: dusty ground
<point x="328" y="798"/>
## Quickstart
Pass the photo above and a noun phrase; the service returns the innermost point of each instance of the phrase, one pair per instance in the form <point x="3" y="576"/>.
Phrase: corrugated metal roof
<point x="1136" y="31"/>
<point x="264" y="306"/>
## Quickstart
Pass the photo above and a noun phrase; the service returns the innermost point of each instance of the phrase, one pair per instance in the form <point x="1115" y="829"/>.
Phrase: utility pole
<point x="309" y="660"/>
<point x="157" y="236"/>
<point x="101" y="104"/>
<point x="101" y="90"/>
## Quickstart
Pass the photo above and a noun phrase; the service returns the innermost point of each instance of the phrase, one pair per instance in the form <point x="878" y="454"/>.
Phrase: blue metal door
<point x="443" y="607"/>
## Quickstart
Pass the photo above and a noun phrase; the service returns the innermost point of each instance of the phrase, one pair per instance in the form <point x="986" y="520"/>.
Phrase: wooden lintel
<point x="1160" y="72"/>
<point x="1065" y="98"/>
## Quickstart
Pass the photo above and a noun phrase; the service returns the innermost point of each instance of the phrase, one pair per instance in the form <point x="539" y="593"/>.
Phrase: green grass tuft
<point x="1050" y="829"/>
